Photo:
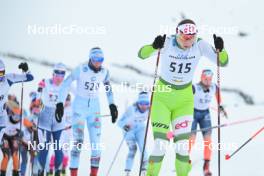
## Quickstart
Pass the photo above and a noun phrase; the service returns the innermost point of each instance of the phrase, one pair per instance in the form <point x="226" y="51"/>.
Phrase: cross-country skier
<point x="12" y="136"/>
<point x="134" y="126"/>
<point x="65" y="138"/>
<point x="180" y="55"/>
<point x="204" y="91"/>
<point x="6" y="81"/>
<point x="49" y="128"/>
<point x="30" y="133"/>
<point x="10" y="141"/>
<point x="86" y="107"/>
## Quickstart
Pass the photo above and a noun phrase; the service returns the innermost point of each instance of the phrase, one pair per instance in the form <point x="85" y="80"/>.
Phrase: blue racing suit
<point x="134" y="137"/>
<point x="86" y="109"/>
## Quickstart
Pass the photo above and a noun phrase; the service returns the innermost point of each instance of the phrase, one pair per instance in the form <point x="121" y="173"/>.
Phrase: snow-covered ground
<point x="121" y="28"/>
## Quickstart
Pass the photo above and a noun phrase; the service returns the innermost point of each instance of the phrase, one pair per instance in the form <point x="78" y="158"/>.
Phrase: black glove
<point x="20" y="133"/>
<point x="159" y="42"/>
<point x="59" y="112"/>
<point x="23" y="66"/>
<point x="33" y="128"/>
<point x="222" y="110"/>
<point x="126" y="128"/>
<point x="114" y="112"/>
<point x="218" y="42"/>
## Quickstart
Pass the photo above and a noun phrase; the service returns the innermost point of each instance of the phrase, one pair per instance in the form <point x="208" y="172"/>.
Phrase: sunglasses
<point x="207" y="73"/>
<point x="59" y="72"/>
<point x="97" y="59"/>
<point x="186" y="36"/>
<point x="144" y="103"/>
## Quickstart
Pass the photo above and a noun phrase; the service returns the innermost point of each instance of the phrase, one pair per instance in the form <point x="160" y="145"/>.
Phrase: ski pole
<point x="67" y="128"/>
<point x="171" y="135"/>
<point x="147" y="126"/>
<point x="105" y="115"/>
<point x="119" y="147"/>
<point x="227" y="157"/>
<point x="218" y="109"/>
<point x="34" y="164"/>
<point x="34" y="159"/>
<point x="112" y="163"/>
<point x="102" y="115"/>
<point x="21" y="115"/>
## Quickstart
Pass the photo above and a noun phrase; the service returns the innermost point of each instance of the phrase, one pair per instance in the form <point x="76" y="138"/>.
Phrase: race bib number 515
<point x="180" y="68"/>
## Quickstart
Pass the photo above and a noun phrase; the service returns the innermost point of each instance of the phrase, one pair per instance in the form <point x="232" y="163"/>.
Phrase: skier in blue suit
<point x="86" y="107"/>
<point x="133" y="123"/>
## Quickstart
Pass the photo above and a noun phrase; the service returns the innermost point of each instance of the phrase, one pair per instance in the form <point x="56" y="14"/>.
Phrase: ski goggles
<point x="59" y="73"/>
<point x="207" y="73"/>
<point x="97" y="59"/>
<point x="143" y="103"/>
<point x="186" y="37"/>
<point x="187" y="29"/>
<point x="96" y="55"/>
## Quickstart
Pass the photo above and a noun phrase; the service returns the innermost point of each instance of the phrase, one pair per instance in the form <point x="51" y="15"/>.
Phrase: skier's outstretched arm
<point x="66" y="84"/>
<point x="124" y="119"/>
<point x="149" y="50"/>
<point x="209" y="51"/>
<point x="14" y="78"/>
<point x="108" y="89"/>
<point x="146" y="51"/>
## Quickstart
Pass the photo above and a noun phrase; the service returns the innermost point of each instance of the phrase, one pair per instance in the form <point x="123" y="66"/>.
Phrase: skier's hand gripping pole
<point x="113" y="112"/>
<point x="59" y="112"/>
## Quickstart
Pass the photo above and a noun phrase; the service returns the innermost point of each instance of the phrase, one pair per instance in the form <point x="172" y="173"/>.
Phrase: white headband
<point x="188" y="28"/>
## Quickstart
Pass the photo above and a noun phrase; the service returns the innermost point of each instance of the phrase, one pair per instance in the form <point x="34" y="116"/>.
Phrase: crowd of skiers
<point x="59" y="113"/>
